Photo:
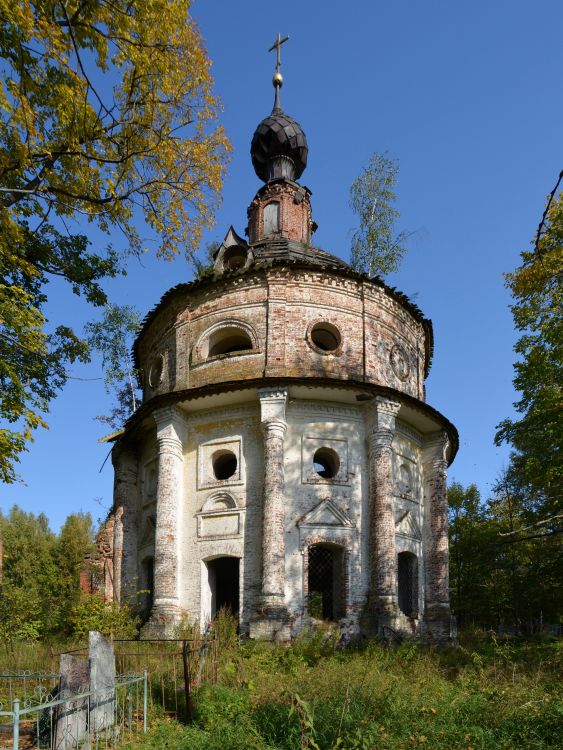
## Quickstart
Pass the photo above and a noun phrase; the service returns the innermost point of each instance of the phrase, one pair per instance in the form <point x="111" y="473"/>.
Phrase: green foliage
<point x="107" y="117"/>
<point x="537" y="291"/>
<point x="20" y="618"/>
<point x="109" y="618"/>
<point x="376" y="249"/>
<point x="498" y="575"/>
<point x="41" y="572"/>
<point x="204" y="267"/>
<point x="487" y="694"/>
<point x="112" y="337"/>
<point x="34" y="358"/>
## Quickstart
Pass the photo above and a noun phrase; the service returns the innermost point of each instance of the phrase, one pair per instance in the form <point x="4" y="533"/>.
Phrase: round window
<point x="224" y="464"/>
<point x="326" y="463"/>
<point x="325" y="337"/>
<point x="155" y="372"/>
<point x="234" y="258"/>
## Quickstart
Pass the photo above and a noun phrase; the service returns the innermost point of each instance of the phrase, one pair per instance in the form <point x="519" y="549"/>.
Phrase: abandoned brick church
<point x="284" y="461"/>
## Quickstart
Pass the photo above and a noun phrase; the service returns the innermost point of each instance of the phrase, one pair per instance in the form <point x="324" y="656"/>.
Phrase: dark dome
<point x="279" y="136"/>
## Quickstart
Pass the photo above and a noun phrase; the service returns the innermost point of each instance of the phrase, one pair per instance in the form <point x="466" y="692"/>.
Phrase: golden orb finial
<point x="277" y="80"/>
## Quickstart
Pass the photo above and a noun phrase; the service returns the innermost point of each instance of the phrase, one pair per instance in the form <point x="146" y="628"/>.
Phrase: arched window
<point x="229" y="340"/>
<point x="234" y="257"/>
<point x="271" y="218"/>
<point x="408" y="583"/>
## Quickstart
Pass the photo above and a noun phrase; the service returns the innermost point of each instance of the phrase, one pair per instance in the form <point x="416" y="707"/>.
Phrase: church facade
<point x="284" y="461"/>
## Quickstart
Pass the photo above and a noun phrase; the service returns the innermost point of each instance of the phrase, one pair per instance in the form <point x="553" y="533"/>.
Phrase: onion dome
<point x="279" y="146"/>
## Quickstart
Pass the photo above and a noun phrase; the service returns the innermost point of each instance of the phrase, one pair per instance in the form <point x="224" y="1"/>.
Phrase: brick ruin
<point x="284" y="461"/>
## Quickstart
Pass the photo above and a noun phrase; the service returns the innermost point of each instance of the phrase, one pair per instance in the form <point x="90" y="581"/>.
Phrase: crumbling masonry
<point x="284" y="462"/>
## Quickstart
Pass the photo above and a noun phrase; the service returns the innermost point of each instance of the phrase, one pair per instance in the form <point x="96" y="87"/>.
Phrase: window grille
<point x="325" y="582"/>
<point x="408" y="584"/>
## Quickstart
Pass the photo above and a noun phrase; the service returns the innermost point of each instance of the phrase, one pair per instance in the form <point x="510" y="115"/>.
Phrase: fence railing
<point x="174" y="667"/>
<point x="100" y="718"/>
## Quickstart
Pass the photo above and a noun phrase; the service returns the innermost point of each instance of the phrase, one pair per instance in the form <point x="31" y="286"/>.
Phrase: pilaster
<point x="272" y="617"/>
<point x="125" y="522"/>
<point x="382" y="601"/>
<point x="171" y="436"/>
<point x="437" y="597"/>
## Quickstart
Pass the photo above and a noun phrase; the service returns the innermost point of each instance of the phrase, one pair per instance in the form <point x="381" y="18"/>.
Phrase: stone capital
<point x="274" y="428"/>
<point x="435" y="448"/>
<point x="171" y="427"/>
<point x="381" y="415"/>
<point x="272" y="404"/>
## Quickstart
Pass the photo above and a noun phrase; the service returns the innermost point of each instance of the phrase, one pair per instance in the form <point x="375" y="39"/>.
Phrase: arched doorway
<point x="222" y="586"/>
<point x="325" y="581"/>
<point x="408" y="583"/>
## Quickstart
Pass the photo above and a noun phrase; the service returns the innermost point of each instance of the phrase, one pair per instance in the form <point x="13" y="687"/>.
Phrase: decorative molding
<point x="220" y="413"/>
<point x="273" y="401"/>
<point x="326" y="514"/>
<point x="300" y="408"/>
<point x="381" y="413"/>
<point x="225" y="524"/>
<point x="399" y="361"/>
<point x="408" y="432"/>
<point x="219" y="502"/>
<point x="435" y="449"/>
<point x="200" y="356"/>
<point x="312" y="443"/>
<point x="171" y="430"/>
<point x="156" y="370"/>
<point x="406" y="525"/>
<point x="205" y="476"/>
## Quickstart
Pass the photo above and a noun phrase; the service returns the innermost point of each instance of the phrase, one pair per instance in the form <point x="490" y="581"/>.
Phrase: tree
<point x="29" y="572"/>
<point x="75" y="540"/>
<point x="112" y="337"/>
<point x="376" y="249"/>
<point x="537" y="290"/>
<point x="469" y="554"/>
<point x="106" y="115"/>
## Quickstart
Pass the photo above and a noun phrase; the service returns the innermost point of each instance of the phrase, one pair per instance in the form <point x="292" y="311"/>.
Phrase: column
<point x="436" y="563"/>
<point x="382" y="413"/>
<point x="171" y="435"/>
<point x="125" y="522"/>
<point x="272" y="407"/>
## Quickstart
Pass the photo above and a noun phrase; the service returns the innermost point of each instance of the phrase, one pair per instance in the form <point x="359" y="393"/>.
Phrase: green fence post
<point x="16" y="719"/>
<point x="145" y="702"/>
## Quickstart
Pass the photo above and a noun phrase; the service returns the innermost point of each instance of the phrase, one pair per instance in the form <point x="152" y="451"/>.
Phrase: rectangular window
<point x="271" y="218"/>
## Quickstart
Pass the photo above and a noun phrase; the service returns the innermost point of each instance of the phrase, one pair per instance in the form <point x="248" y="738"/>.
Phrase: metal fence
<point x="44" y="719"/>
<point x="174" y="667"/>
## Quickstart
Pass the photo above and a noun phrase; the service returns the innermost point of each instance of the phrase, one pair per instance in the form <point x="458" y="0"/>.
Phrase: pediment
<point x="406" y="525"/>
<point x="149" y="530"/>
<point x="326" y="513"/>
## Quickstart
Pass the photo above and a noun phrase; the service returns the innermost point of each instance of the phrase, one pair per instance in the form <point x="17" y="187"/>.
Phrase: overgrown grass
<point x="488" y="693"/>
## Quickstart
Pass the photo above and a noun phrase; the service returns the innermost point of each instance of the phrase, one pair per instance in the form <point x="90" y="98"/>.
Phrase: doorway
<point x="325" y="581"/>
<point x="223" y="580"/>
<point x="408" y="583"/>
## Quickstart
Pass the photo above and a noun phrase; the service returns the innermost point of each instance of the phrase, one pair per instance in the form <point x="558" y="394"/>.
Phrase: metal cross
<point x="276" y="45"/>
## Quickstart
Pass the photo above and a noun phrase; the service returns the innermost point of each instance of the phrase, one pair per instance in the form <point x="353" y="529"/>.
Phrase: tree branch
<point x="544" y="216"/>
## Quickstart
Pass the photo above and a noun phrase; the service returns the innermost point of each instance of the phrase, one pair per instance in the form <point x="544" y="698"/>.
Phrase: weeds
<point x="489" y="693"/>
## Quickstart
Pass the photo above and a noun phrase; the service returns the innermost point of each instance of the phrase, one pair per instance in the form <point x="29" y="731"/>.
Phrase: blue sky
<point x="466" y="96"/>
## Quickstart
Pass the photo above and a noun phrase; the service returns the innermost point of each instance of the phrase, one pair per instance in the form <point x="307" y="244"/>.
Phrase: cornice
<point x="135" y="422"/>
